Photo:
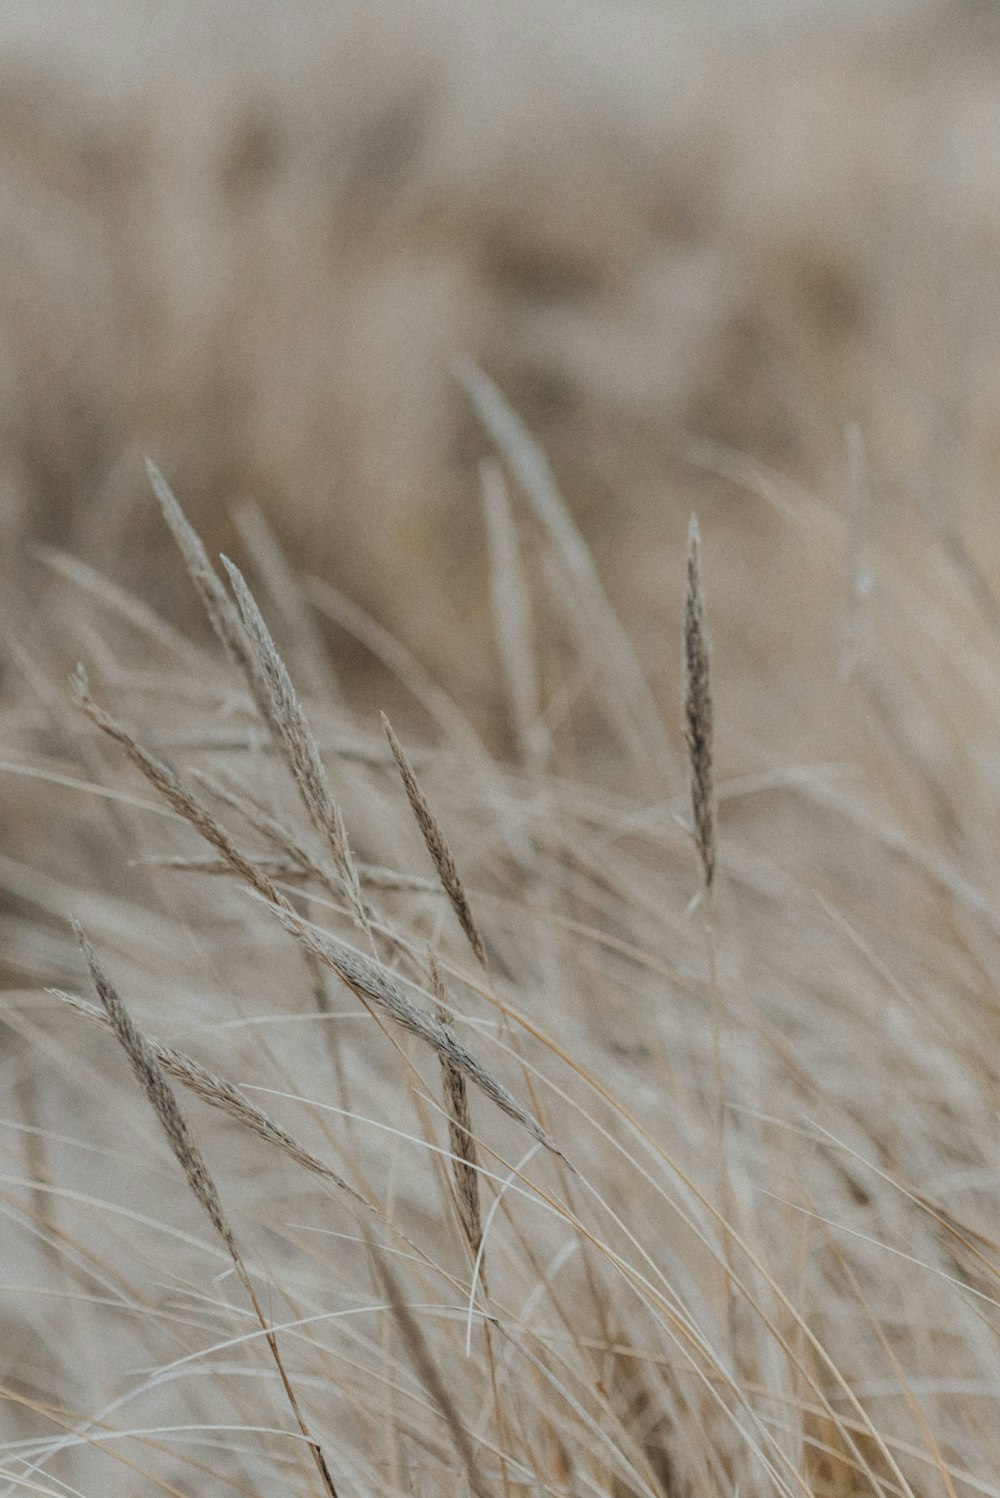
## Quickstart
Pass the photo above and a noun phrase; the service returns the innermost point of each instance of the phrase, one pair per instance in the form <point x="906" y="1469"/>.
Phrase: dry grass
<point x="255" y="252"/>
<point x="798" y="1296"/>
<point x="151" y="1076"/>
<point x="504" y="1165"/>
<point x="698" y="710"/>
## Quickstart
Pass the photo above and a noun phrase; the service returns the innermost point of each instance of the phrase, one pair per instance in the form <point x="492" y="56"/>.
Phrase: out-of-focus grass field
<point x="738" y="261"/>
<point x="249" y="240"/>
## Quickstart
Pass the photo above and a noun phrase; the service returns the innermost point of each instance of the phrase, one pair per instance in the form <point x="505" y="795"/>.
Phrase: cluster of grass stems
<point x="397" y="1120"/>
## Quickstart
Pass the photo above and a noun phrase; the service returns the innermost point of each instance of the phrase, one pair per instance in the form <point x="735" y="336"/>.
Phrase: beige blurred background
<point x="250" y="239"/>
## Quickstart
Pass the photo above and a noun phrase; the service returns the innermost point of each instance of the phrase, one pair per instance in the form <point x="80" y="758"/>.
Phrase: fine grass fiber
<point x="615" y="1115"/>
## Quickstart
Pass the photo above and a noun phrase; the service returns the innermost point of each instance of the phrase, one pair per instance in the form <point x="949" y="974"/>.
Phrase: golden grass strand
<point x="430" y="1375"/>
<point x="512" y="622"/>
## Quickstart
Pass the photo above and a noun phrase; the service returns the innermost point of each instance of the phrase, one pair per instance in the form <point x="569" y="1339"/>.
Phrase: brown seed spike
<point x="287" y="721"/>
<point x="220" y="1093"/>
<point x="374" y="984"/>
<point x="176" y="795"/>
<point x="218" y="606"/>
<point x="437" y="846"/>
<point x="153" y="1079"/>
<point x="460" y="1136"/>
<point x="698" y="710"/>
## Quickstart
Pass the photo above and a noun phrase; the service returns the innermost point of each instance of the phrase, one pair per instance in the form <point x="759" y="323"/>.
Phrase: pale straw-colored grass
<point x="534" y="1190"/>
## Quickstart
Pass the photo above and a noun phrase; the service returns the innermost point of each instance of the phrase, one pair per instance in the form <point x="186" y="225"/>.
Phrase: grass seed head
<point x="698" y="710"/>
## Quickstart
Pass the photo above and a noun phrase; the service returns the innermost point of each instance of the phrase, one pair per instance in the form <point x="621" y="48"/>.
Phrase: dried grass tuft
<point x="784" y="1284"/>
